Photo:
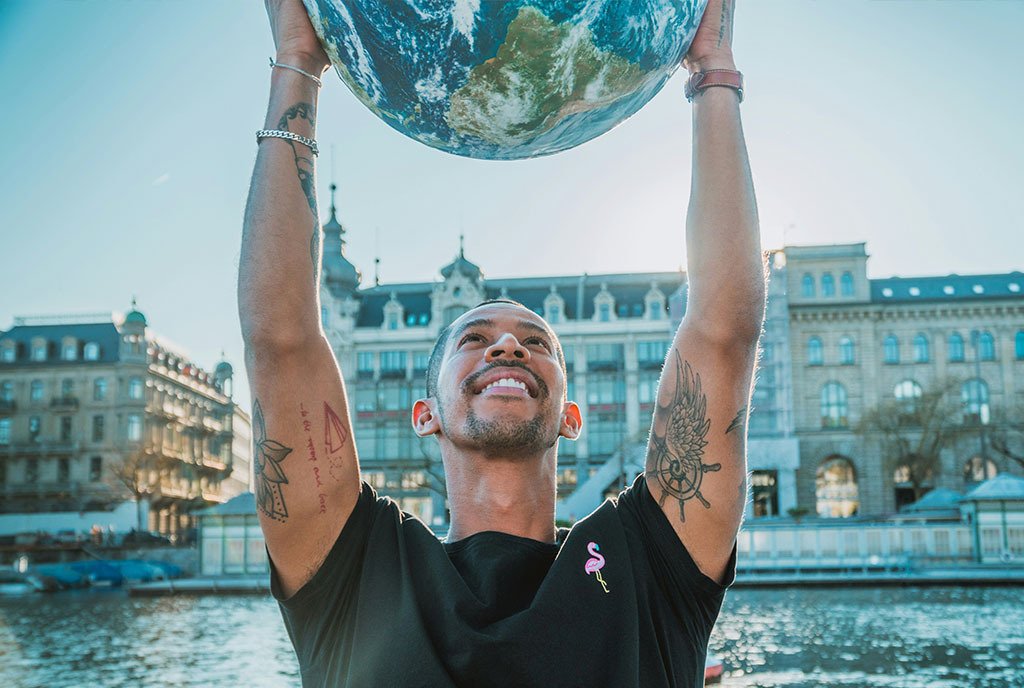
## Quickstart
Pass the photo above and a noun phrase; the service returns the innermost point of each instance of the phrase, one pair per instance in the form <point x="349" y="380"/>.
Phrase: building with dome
<point x="86" y="399"/>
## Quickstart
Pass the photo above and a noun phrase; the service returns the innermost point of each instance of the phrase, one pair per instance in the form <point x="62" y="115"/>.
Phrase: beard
<point x="509" y="437"/>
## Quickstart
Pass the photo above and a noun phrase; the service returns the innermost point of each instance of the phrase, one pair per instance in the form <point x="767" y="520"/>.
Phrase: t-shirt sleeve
<point x="319" y="606"/>
<point x="695" y="598"/>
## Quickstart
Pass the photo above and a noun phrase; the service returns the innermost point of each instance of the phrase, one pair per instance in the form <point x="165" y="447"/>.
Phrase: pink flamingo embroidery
<point x="595" y="564"/>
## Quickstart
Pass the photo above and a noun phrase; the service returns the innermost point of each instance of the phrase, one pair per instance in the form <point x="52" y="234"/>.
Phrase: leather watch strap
<point x="698" y="81"/>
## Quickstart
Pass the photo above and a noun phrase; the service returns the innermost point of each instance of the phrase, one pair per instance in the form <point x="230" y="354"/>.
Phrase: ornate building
<point x="93" y="409"/>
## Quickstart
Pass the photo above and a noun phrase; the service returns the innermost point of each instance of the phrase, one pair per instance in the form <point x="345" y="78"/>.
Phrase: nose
<point x="507" y="347"/>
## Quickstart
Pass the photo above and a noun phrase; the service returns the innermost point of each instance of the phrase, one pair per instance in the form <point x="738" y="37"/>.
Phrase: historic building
<point x="860" y="344"/>
<point x="94" y="409"/>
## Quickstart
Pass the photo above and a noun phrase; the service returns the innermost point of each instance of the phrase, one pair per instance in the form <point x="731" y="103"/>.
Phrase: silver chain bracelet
<point x="303" y="72"/>
<point x="279" y="134"/>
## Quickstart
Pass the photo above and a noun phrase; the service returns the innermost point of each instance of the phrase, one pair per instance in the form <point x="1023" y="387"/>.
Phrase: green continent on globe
<point x="508" y="99"/>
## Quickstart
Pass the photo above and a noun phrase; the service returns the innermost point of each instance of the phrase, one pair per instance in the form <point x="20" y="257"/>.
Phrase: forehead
<point x="501" y="316"/>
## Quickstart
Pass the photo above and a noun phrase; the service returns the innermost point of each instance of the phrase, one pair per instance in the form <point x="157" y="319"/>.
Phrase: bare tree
<point x="132" y="472"/>
<point x="1006" y="433"/>
<point x="913" y="431"/>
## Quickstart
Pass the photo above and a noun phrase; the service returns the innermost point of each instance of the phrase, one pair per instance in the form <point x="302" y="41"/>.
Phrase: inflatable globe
<point x="505" y="80"/>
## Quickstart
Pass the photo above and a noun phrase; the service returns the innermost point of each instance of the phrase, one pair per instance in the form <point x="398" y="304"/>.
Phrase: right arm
<point x="305" y="464"/>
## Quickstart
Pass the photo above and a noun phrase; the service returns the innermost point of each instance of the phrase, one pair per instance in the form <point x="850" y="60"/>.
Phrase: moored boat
<point x="713" y="669"/>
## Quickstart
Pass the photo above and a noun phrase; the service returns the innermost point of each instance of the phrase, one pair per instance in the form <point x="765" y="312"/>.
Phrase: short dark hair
<point x="437" y="353"/>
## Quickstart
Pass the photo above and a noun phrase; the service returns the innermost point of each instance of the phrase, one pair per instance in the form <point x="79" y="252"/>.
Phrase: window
<point x="846" y="284"/>
<point x="392" y="364"/>
<point x="1018" y="345"/>
<point x="647" y="388"/>
<point x="606" y="389"/>
<point x="392" y="321"/>
<point x="807" y="286"/>
<point x="92" y="352"/>
<point x="97" y="428"/>
<point x="8" y="353"/>
<point x="956" y="348"/>
<point x="35" y="427"/>
<point x="834" y="408"/>
<point x="651" y="354"/>
<point x="135" y="388"/>
<point x="986" y="346"/>
<point x="95" y="468"/>
<point x="5" y="431"/>
<point x="65" y="428"/>
<point x="974" y="396"/>
<point x="604" y="356"/>
<point x="655" y="309"/>
<point x="846" y="351"/>
<point x="604" y="312"/>
<point x="420" y="361"/>
<point x="891" y="349"/>
<point x="32" y="471"/>
<point x="134" y="430"/>
<point x="978" y="469"/>
<point x="908" y="394"/>
<point x="67" y="387"/>
<point x="365" y="364"/>
<point x="569" y="354"/>
<point x="99" y="389"/>
<point x="63" y="469"/>
<point x="835" y="488"/>
<point x="36" y="390"/>
<point x="828" y="284"/>
<point x="815" y="353"/>
<point x="39" y="350"/>
<point x="921" y="348"/>
<point x="764" y="493"/>
<point x="7" y="391"/>
<point x="69" y="352"/>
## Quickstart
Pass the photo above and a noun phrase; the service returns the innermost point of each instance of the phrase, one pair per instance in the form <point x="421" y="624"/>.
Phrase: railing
<point x="66" y="403"/>
<point x="39" y="448"/>
<point x="8" y="406"/>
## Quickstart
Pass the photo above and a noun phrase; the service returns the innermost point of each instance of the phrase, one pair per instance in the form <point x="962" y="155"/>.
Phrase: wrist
<point x="717" y="61"/>
<point x="314" y="64"/>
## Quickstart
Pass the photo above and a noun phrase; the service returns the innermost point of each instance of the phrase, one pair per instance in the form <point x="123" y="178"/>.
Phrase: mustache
<point x="542" y="388"/>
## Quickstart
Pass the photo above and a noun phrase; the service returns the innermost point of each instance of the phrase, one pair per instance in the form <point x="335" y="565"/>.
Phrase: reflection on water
<point x="934" y="638"/>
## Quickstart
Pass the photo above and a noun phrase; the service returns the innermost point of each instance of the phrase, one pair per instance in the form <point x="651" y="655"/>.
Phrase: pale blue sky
<point x="129" y="144"/>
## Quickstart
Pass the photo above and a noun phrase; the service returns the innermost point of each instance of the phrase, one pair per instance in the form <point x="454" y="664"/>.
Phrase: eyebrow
<point x="487" y="322"/>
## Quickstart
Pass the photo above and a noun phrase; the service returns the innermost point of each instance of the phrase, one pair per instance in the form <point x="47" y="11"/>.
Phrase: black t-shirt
<point x="617" y="602"/>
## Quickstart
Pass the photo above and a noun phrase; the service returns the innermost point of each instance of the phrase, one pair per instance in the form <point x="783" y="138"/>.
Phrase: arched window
<point x="891" y="349"/>
<point x="908" y="394"/>
<point x="910" y="482"/>
<point x="92" y="351"/>
<point x="978" y="469"/>
<point x="956" y="347"/>
<point x="807" y="286"/>
<point x="834" y="408"/>
<point x="974" y="395"/>
<point x="1018" y="345"/>
<point x="835" y="488"/>
<point x="828" y="284"/>
<point x="921" y="353"/>
<point x="986" y="346"/>
<point x="815" y="355"/>
<point x="846" y="351"/>
<point x="36" y="391"/>
<point x="846" y="284"/>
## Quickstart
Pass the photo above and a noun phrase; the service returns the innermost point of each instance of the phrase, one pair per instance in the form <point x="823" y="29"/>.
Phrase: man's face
<point x="500" y="386"/>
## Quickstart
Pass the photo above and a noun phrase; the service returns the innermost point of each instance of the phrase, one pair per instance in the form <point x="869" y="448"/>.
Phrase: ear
<point x="425" y="419"/>
<point x="572" y="421"/>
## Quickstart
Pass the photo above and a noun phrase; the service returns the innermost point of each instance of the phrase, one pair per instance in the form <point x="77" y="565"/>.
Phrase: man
<point x="629" y="595"/>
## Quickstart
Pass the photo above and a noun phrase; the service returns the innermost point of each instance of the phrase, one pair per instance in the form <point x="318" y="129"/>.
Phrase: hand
<point x="712" y="45"/>
<point x="294" y="38"/>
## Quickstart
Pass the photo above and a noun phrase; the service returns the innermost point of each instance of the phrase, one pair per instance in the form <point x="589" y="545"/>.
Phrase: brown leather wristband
<point x="698" y="81"/>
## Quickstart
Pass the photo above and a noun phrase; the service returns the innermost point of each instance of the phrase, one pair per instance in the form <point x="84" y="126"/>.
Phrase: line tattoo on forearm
<point x="268" y="455"/>
<point x="738" y="421"/>
<point x="305" y="169"/>
<point x="677" y="447"/>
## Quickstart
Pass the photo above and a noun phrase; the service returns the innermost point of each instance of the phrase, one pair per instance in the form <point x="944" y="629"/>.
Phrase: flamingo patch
<point x="595" y="564"/>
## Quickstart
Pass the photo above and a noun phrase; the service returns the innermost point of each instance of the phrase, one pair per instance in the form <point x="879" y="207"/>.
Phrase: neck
<point x="509" y="496"/>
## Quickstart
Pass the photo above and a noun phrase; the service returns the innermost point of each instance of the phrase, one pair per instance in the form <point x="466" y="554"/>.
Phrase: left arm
<point x="696" y="458"/>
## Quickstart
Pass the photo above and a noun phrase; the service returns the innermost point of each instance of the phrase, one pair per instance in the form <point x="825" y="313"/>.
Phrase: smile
<point x="505" y="384"/>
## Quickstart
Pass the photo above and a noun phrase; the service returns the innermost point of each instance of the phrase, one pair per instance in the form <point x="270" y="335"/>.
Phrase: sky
<point x="130" y="141"/>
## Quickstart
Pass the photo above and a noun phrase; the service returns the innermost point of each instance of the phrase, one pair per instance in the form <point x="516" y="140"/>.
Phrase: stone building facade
<point x="83" y="399"/>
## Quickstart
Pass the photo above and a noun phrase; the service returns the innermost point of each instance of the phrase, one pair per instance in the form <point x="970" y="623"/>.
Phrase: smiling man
<point x="629" y="595"/>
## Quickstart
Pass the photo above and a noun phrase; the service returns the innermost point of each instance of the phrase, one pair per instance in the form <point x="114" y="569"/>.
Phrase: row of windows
<point x="808" y="287"/>
<point x="835" y="409"/>
<point x="65" y="430"/>
<point x="39" y="350"/>
<point x="63" y="475"/>
<point x="984" y="343"/>
<point x="37" y="389"/>
<point x="553" y="311"/>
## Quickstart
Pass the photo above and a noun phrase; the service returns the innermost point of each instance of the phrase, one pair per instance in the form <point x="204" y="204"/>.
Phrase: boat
<point x="713" y="669"/>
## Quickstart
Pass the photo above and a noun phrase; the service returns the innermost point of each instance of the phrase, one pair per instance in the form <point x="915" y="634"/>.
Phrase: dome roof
<point x="339" y="273"/>
<point x="223" y="369"/>
<point x="135" y="316"/>
<point x="463" y="265"/>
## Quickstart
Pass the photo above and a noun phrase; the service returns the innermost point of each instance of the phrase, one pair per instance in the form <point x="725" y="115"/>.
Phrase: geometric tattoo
<point x="335" y="437"/>
<point x="737" y="422"/>
<point x="677" y="452"/>
<point x="267" y="458"/>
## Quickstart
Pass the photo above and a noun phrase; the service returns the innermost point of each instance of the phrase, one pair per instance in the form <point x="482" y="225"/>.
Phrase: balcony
<point x="65" y="403"/>
<point x="8" y="407"/>
<point x="214" y="462"/>
<point x="40" y="448"/>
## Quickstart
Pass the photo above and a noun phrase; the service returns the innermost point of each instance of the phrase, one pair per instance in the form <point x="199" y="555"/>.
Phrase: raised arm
<point x="696" y="459"/>
<point x="305" y="465"/>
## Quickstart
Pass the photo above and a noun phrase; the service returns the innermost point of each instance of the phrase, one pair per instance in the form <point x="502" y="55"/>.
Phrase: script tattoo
<point x="677" y="450"/>
<point x="737" y="422"/>
<point x="311" y="455"/>
<point x="304" y="168"/>
<point x="268" y="455"/>
<point x="724" y="25"/>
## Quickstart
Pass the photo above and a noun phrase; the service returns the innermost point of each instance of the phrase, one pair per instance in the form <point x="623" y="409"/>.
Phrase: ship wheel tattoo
<point x="270" y="477"/>
<point x="677" y="453"/>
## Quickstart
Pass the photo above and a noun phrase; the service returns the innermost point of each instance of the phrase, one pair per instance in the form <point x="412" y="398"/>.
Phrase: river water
<point x="905" y="637"/>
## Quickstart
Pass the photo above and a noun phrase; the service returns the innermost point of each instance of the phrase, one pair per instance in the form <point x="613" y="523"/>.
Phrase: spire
<point x="462" y="264"/>
<point x="376" y="271"/>
<point x="462" y="245"/>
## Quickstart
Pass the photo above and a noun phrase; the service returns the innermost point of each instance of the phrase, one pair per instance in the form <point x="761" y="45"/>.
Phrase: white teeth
<point x="507" y="382"/>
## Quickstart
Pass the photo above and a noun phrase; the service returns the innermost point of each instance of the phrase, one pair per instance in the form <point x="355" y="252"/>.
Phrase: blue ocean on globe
<point x="505" y="80"/>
